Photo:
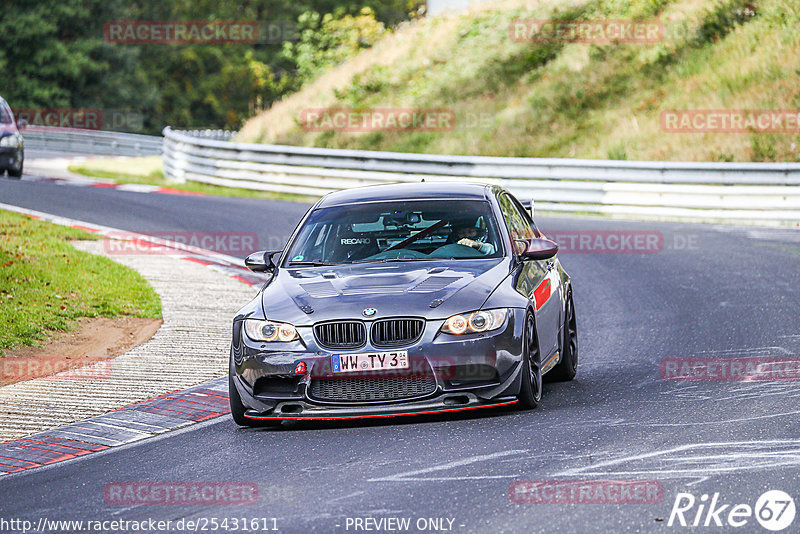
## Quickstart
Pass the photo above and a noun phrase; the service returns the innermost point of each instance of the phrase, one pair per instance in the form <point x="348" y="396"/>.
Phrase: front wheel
<point x="238" y="409"/>
<point x="15" y="172"/>
<point x="530" y="392"/>
<point x="568" y="365"/>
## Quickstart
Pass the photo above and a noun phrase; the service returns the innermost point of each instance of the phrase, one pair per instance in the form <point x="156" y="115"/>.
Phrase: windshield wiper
<point x="387" y="260"/>
<point x="419" y="235"/>
<point x="310" y="263"/>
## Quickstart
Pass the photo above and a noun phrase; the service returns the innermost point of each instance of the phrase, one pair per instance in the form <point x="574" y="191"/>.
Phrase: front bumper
<point x="470" y="372"/>
<point x="316" y="412"/>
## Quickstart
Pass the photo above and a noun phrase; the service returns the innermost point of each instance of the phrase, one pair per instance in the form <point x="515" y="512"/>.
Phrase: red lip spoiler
<point x="372" y="416"/>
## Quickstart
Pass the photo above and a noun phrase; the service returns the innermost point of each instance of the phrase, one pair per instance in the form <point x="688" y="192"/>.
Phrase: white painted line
<point x="722" y="458"/>
<point x="87" y="425"/>
<point x="137" y="188"/>
<point x="134" y="425"/>
<point x="356" y="494"/>
<point x="751" y="350"/>
<point x="701" y="423"/>
<point x="87" y="438"/>
<point x="727" y="391"/>
<point x="412" y="475"/>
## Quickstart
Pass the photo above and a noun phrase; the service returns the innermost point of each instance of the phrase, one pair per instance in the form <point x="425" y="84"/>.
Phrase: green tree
<point x="54" y="55"/>
<point x="328" y="40"/>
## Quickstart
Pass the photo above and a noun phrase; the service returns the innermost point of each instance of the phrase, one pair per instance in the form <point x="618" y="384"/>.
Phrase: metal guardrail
<point x="764" y="193"/>
<point x="90" y="142"/>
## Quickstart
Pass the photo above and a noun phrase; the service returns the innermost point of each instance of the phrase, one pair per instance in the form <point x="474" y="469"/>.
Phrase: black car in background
<point x="12" y="149"/>
<point x="404" y="299"/>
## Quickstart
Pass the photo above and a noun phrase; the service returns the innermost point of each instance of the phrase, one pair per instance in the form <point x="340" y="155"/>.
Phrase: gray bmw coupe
<point x="403" y="299"/>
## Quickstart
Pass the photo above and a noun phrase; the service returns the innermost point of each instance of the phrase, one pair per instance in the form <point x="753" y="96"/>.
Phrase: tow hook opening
<point x="291" y="408"/>
<point x="456" y="400"/>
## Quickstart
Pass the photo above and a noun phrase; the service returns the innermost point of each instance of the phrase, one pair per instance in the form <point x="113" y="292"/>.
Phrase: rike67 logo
<point x="774" y="510"/>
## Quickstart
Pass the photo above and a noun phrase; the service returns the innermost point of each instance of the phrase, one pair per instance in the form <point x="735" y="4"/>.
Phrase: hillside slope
<point x="567" y="99"/>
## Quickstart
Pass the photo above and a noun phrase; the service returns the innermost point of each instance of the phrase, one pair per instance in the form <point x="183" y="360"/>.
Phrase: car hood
<point x="430" y="289"/>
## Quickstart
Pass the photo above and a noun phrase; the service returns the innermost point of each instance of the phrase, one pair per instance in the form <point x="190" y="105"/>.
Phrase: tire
<point x="15" y="173"/>
<point x="568" y="345"/>
<point x="238" y="409"/>
<point x="530" y="391"/>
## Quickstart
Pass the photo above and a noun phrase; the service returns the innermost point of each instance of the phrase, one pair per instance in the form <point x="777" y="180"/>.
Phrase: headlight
<point x="258" y="330"/>
<point x="475" y="322"/>
<point x="9" y="141"/>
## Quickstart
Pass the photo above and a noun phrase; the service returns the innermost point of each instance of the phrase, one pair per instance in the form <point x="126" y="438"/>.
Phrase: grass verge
<point x="46" y="284"/>
<point x="565" y="99"/>
<point x="148" y="170"/>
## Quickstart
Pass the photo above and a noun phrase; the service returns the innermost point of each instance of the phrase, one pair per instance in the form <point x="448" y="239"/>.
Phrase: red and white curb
<point x="55" y="171"/>
<point x="142" y="419"/>
<point x="89" y="182"/>
<point x="228" y="265"/>
<point x="131" y="423"/>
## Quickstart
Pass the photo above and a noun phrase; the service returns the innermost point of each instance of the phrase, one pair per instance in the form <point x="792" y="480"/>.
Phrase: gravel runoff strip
<point x="192" y="346"/>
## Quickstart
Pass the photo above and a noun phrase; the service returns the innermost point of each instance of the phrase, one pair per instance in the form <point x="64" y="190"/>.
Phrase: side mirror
<point x="22" y="124"/>
<point x="261" y="261"/>
<point x="536" y="249"/>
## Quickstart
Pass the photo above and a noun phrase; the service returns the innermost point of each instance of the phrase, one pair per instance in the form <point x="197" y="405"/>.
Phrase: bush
<point x="326" y="41"/>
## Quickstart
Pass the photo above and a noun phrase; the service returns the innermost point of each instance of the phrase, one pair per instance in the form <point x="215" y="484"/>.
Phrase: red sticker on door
<point x="542" y="293"/>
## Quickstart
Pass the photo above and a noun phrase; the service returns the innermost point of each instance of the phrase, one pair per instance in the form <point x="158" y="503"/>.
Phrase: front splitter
<point x="314" y="412"/>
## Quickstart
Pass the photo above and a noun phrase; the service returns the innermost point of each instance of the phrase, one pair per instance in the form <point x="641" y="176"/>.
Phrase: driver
<point x="468" y="234"/>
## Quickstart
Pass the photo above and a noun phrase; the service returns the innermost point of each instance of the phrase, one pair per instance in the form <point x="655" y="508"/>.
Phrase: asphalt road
<point x="158" y="214"/>
<point x="704" y="292"/>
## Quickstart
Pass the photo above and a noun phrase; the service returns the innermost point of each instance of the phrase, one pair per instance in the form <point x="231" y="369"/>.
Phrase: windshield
<point x="397" y="231"/>
<point x="5" y="113"/>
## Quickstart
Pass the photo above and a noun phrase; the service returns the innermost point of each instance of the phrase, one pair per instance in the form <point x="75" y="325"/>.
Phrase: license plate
<point x="369" y="361"/>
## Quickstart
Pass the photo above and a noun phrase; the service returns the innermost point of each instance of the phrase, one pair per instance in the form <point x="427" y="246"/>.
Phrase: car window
<point x="5" y="113"/>
<point x="519" y="226"/>
<point x="526" y="214"/>
<point x="408" y="230"/>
